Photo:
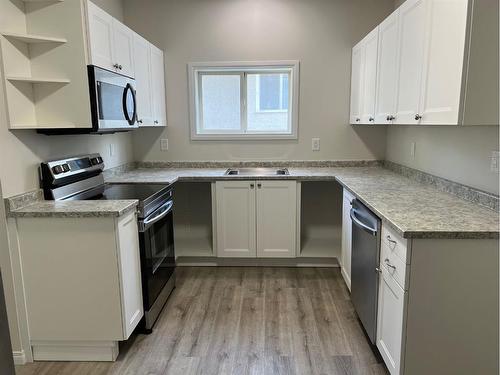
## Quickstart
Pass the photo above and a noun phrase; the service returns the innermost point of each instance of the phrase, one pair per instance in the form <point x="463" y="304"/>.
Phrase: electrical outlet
<point x="111" y="149"/>
<point x="315" y="144"/>
<point x="412" y="149"/>
<point x="495" y="160"/>
<point x="164" y="144"/>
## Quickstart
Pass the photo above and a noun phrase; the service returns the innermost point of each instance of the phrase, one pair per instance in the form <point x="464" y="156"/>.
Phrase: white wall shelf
<point x="30" y="38"/>
<point x="38" y="80"/>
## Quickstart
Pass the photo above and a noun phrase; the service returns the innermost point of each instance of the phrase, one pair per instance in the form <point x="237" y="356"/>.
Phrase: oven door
<point x="156" y="237"/>
<point x="113" y="100"/>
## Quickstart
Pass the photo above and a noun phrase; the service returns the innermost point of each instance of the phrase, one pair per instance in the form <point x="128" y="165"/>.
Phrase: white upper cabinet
<point x="369" y="77"/>
<point x="123" y="47"/>
<point x="276" y="219"/>
<point x="143" y="81"/>
<point x="386" y="66"/>
<point x="110" y="42"/>
<point x="436" y="65"/>
<point x="158" y="87"/>
<point x="411" y="58"/>
<point x="100" y="37"/>
<point x="445" y="30"/>
<point x="357" y="70"/>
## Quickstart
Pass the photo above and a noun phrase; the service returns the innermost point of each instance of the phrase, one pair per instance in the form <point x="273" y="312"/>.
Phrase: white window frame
<point x="197" y="69"/>
<point x="257" y="99"/>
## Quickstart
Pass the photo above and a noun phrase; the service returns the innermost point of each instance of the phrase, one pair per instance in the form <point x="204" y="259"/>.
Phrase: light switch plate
<point x="315" y="144"/>
<point x="164" y="144"/>
<point x="495" y="160"/>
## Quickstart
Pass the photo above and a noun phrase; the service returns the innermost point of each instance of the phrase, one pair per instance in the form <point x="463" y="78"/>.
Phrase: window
<point x="244" y="100"/>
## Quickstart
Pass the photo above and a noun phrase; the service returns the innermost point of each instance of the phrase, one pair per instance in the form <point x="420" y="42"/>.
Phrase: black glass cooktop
<point x="142" y="192"/>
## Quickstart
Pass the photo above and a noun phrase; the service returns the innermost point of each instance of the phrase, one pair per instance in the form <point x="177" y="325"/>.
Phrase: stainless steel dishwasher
<point x="365" y="263"/>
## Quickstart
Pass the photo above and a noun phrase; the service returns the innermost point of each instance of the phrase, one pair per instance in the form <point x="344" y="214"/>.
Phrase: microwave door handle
<point x="130" y="120"/>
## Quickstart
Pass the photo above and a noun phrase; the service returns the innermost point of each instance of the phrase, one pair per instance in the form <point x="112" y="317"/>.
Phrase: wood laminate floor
<point x="244" y="320"/>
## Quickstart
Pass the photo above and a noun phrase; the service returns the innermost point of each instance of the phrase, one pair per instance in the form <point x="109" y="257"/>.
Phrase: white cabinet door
<point x="143" y="81"/>
<point x="357" y="71"/>
<point x="346" y="238"/>
<point x="370" y="45"/>
<point x="385" y="100"/>
<point x="411" y="58"/>
<point x="445" y="30"/>
<point x="276" y="219"/>
<point x="158" y="86"/>
<point x="100" y="33"/>
<point x="390" y="317"/>
<point x="123" y="47"/>
<point x="130" y="273"/>
<point x="236" y="236"/>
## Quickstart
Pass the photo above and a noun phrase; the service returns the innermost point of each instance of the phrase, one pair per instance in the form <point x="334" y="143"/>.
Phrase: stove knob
<point x="65" y="167"/>
<point x="99" y="160"/>
<point x="94" y="161"/>
<point x="57" y="169"/>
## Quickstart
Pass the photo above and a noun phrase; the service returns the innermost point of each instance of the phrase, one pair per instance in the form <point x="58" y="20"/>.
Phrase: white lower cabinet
<point x="256" y="219"/>
<point x="391" y="302"/>
<point x="345" y="260"/>
<point x="82" y="285"/>
<point x="236" y="219"/>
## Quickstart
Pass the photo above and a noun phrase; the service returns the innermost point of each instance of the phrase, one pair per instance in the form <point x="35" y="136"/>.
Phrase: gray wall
<point x="319" y="33"/>
<point x="19" y="172"/>
<point x="458" y="153"/>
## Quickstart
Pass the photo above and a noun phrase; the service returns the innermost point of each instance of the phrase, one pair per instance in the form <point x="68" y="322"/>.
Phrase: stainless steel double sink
<point x="257" y="172"/>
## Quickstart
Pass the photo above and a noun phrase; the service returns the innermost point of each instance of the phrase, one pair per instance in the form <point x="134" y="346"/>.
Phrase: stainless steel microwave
<point x="112" y="101"/>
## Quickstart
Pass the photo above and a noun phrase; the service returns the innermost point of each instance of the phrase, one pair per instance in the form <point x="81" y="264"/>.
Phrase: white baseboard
<point x="256" y="262"/>
<point x="346" y="278"/>
<point x="19" y="357"/>
<point x="98" y="351"/>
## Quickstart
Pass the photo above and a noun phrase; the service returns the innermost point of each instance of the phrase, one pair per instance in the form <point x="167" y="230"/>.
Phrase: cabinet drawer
<point x="393" y="265"/>
<point x="396" y="243"/>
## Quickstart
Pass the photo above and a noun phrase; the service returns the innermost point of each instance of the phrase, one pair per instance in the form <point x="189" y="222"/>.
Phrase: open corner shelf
<point x="30" y="38"/>
<point x="38" y="80"/>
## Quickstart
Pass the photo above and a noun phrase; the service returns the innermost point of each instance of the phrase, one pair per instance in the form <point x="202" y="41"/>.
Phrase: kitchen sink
<point x="257" y="172"/>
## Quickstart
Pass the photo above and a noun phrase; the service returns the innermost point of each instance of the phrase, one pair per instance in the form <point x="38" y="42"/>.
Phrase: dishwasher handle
<point x="358" y="223"/>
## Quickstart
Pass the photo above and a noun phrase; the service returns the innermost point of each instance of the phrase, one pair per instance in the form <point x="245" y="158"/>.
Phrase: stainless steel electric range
<point x="81" y="178"/>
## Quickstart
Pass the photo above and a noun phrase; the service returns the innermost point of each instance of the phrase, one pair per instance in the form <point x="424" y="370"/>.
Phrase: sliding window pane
<point x="220" y="103"/>
<point x="268" y="103"/>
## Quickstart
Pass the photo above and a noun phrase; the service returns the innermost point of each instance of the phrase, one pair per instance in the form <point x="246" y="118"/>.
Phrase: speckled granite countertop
<point x="415" y="210"/>
<point x="79" y="209"/>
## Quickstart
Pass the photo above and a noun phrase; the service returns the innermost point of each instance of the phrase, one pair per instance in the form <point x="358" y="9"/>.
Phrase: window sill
<point x="243" y="137"/>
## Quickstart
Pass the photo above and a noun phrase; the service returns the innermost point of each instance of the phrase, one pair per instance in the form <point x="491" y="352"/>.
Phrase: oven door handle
<point x="164" y="211"/>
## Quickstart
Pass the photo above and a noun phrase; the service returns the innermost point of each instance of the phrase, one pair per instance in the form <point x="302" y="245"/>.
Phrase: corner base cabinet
<point x="82" y="281"/>
<point x="256" y="219"/>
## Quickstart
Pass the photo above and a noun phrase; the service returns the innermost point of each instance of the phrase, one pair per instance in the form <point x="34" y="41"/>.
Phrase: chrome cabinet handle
<point x="378" y="270"/>
<point x="259" y="186"/>
<point x="390" y="239"/>
<point x="139" y="121"/>
<point x="252" y="186"/>
<point x="418" y="117"/>
<point x="116" y="66"/>
<point x="390" y="118"/>
<point x="371" y="119"/>
<point x="156" y="122"/>
<point x="388" y="264"/>
<point x="358" y="119"/>
<point x="120" y="67"/>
